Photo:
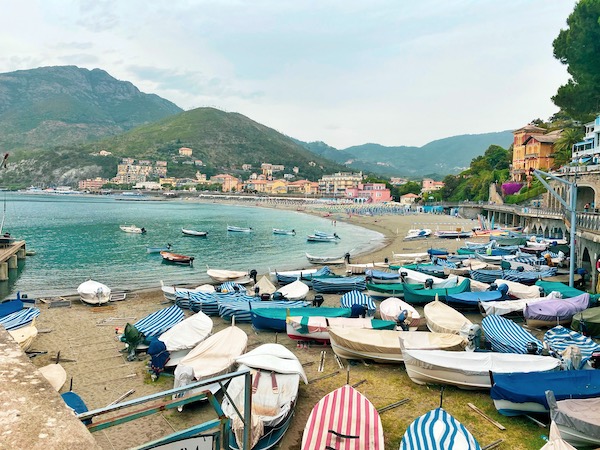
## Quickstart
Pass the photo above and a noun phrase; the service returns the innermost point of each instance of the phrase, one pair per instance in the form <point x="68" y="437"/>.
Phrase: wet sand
<point x="85" y="337"/>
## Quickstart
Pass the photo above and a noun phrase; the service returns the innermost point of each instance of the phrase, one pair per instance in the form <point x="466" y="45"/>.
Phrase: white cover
<point x="265" y="286"/>
<point x="225" y="275"/>
<point x="93" y="292"/>
<point x="169" y="291"/>
<point x="520" y="290"/>
<point x="273" y="357"/>
<point x="470" y="369"/>
<point x="390" y="308"/>
<point x="359" y="268"/>
<point x="503" y="307"/>
<point x="187" y="333"/>
<point x="476" y="286"/>
<point x="55" y="374"/>
<point x="318" y="326"/>
<point x="442" y="318"/>
<point x="294" y="291"/>
<point x="24" y="336"/>
<point x="215" y="355"/>
<point x="415" y="277"/>
<point x="555" y="441"/>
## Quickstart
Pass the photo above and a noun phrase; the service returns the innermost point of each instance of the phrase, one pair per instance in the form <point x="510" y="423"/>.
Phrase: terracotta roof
<point x="529" y="127"/>
<point x="544" y="138"/>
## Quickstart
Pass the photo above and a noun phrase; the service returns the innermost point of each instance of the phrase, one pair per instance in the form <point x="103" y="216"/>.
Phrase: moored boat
<point x="318" y="238"/>
<point x="189" y="232"/>
<point x="164" y="248"/>
<point x="176" y="258"/>
<point x="284" y="232"/>
<point x="235" y="229"/>
<point x="132" y="229"/>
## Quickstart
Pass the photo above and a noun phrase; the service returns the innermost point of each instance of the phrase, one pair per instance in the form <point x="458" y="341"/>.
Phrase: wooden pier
<point x="9" y="256"/>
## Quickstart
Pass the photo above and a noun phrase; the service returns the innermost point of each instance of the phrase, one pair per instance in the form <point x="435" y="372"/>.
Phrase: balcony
<point x="532" y="155"/>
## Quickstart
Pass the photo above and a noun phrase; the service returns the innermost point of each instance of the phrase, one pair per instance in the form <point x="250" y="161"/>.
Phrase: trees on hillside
<point x="578" y="47"/>
<point x="564" y="144"/>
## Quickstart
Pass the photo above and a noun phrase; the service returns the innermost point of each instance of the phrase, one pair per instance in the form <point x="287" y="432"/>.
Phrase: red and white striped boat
<point x="343" y="419"/>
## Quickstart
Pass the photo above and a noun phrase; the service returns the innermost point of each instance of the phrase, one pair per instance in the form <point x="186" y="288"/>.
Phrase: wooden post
<point x="3" y="271"/>
<point x="12" y="262"/>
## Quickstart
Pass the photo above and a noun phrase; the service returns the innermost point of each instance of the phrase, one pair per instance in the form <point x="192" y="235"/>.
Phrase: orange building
<point x="520" y="137"/>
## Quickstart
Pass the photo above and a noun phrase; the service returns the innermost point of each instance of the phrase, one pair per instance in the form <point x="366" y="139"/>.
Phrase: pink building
<point x="370" y="193"/>
<point x="429" y="185"/>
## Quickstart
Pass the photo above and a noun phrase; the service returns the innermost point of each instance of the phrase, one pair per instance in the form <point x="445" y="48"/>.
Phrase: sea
<point x="77" y="238"/>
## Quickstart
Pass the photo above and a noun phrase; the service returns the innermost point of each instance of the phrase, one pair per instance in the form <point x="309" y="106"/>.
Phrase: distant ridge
<point x="61" y="105"/>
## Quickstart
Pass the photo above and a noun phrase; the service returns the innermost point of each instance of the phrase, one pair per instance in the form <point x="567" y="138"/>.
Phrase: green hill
<point x="49" y="106"/>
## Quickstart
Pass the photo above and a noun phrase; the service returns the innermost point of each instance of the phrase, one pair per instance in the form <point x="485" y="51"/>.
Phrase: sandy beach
<point x="89" y="351"/>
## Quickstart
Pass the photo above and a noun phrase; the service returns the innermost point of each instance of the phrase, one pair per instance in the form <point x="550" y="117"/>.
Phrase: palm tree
<point x="564" y="145"/>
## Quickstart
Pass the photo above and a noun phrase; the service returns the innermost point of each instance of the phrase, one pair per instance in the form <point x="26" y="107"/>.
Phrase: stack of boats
<point x="17" y="316"/>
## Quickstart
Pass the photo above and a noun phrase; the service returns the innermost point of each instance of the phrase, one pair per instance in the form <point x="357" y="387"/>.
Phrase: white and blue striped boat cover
<point x="283" y="279"/>
<point x="339" y="285"/>
<point x="358" y="298"/>
<point x="438" y="430"/>
<point x="559" y="338"/>
<point x="230" y="287"/>
<point x="506" y="336"/>
<point x="19" y="319"/>
<point x="241" y="310"/>
<point x="208" y="302"/>
<point x="531" y="260"/>
<point x="485" y="275"/>
<point x="159" y="321"/>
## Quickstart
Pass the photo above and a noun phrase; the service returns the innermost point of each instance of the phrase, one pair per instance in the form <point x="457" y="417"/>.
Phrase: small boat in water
<point x="319" y="238"/>
<point x="188" y="232"/>
<point x="176" y="258"/>
<point x="239" y="229"/>
<point x="284" y="232"/>
<point x="132" y="229"/>
<point x="164" y="248"/>
<point x="328" y="259"/>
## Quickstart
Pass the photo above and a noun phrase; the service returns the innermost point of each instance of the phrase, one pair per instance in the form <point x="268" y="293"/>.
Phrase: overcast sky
<point x="346" y="72"/>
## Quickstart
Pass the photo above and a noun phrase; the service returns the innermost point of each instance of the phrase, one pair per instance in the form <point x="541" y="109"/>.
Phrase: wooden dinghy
<point x="276" y="374"/>
<point x="189" y="232"/>
<point x="344" y="419"/>
<point x="384" y="345"/>
<point x="438" y="430"/>
<point x="470" y="370"/>
<point x="176" y="258"/>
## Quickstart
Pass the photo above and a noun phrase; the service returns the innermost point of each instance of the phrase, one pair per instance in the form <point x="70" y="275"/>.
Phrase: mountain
<point x="222" y="141"/>
<point x="49" y="106"/>
<point x="441" y="157"/>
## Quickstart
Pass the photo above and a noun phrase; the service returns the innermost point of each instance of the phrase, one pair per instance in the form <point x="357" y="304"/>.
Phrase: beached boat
<point x="294" y="291"/>
<point x="174" y="344"/>
<point x="276" y="374"/>
<point x="382" y="277"/>
<point x="559" y="311"/>
<point x="410" y="256"/>
<point x="561" y="340"/>
<point x="506" y="336"/>
<point x="316" y="328"/>
<point x="357" y="269"/>
<point x="235" y="229"/>
<point x="346" y="419"/>
<point x="438" y="430"/>
<point x="578" y="420"/>
<point x="274" y="319"/>
<point x="213" y="356"/>
<point x="164" y="248"/>
<point x="469" y="370"/>
<point x="587" y="322"/>
<point x="11" y="305"/>
<point x="415" y="277"/>
<point x="442" y="318"/>
<point x="242" y="311"/>
<point x="237" y="276"/>
<point x="339" y="285"/>
<point x="189" y="232"/>
<point x="176" y="258"/>
<point x="93" y="292"/>
<point x="264" y="286"/>
<point x="19" y="319"/>
<point x="284" y="232"/>
<point x="521" y="291"/>
<point x="25" y="335"/>
<point x="138" y="335"/>
<point x="433" y="268"/>
<point x="506" y="307"/>
<point x="55" y="374"/>
<point x="208" y="302"/>
<point x="392" y="307"/>
<point x="289" y="276"/>
<point x="471" y="300"/>
<point x="457" y="234"/>
<point x="172" y="292"/>
<point x="516" y="393"/>
<point x="335" y="259"/>
<point x="555" y="440"/>
<point x="132" y="229"/>
<point x="564" y="289"/>
<point x="384" y="345"/>
<point x="417" y="233"/>
<point x="358" y="298"/>
<point x="422" y="296"/>
<point x="382" y="291"/>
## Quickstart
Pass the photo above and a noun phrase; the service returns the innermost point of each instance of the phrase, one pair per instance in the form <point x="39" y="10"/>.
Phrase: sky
<point x="345" y="72"/>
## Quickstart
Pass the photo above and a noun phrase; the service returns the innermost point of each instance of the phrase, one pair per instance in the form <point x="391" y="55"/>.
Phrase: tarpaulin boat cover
<point x="208" y="302"/>
<point x="438" y="430"/>
<point x="442" y="318"/>
<point x="274" y="319"/>
<point x="557" y="310"/>
<point x="428" y="295"/>
<point x="566" y="291"/>
<point x="580" y="415"/>
<point x="531" y="387"/>
<point x="555" y="441"/>
<point x="476" y="286"/>
<point x="159" y="321"/>
<point x="381" y="275"/>
<point x="19" y="319"/>
<point x="379" y="342"/>
<point x="504" y="307"/>
<point x="339" y="285"/>
<point x="241" y="310"/>
<point x="265" y="286"/>
<point x="317" y="324"/>
<point x="358" y="298"/>
<point x="188" y="333"/>
<point x="294" y="291"/>
<point x="559" y="338"/>
<point x="506" y="336"/>
<point x="587" y="322"/>
<point x="470" y="300"/>
<point x="415" y="277"/>
<point x="390" y="308"/>
<point x="519" y="290"/>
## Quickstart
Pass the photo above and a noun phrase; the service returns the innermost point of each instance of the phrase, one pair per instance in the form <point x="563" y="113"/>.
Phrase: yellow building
<point x="520" y="136"/>
<point x="228" y="183"/>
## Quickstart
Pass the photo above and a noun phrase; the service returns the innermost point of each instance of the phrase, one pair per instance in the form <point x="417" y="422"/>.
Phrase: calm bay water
<point x="77" y="238"/>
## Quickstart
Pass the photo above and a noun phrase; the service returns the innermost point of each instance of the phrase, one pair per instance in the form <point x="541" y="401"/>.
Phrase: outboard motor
<point x="357" y="311"/>
<point x="256" y="291"/>
<point x="278" y="296"/>
<point x="503" y="288"/>
<point x="595" y="360"/>
<point x="318" y="300"/>
<point x="403" y="276"/>
<point x="532" y="348"/>
<point x="386" y="260"/>
<point x="474" y="338"/>
<point x="520" y="269"/>
<point x="402" y="320"/>
<point x="347" y="258"/>
<point x="265" y="297"/>
<point x="493" y="287"/>
<point x="429" y="283"/>
<point x="253" y="274"/>
<point x="542" y="292"/>
<point x="159" y="356"/>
